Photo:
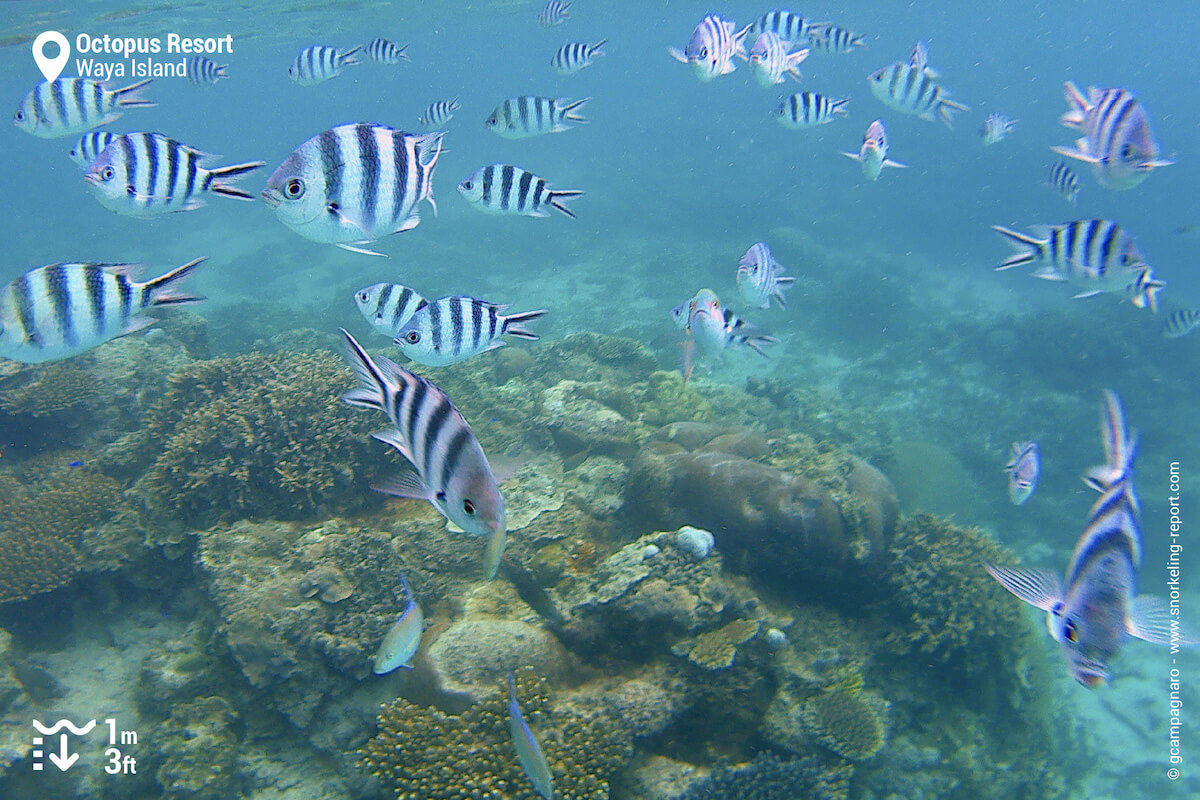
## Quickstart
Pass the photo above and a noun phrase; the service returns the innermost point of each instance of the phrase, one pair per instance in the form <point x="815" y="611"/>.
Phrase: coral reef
<point x="480" y="651"/>
<point x="581" y="422"/>
<point x="423" y="753"/>
<point x="198" y="746"/>
<point x="714" y="650"/>
<point x="769" y="777"/>
<point x="259" y="435"/>
<point x="850" y="723"/>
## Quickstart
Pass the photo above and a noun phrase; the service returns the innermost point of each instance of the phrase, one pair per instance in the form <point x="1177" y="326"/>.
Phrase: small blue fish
<point x="1098" y="608"/>
<point x="529" y="752"/>
<point x="400" y="643"/>
<point x="74" y="464"/>
<point x="1023" y="469"/>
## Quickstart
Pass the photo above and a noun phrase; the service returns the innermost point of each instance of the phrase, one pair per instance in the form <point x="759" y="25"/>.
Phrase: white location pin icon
<point x="51" y="67"/>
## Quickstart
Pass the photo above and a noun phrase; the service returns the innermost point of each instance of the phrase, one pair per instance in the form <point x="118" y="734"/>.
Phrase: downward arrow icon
<point x="63" y="759"/>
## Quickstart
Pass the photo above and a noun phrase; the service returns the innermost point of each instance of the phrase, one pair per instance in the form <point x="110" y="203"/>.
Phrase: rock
<point x="695" y="542"/>
<point x="579" y="422"/>
<point x="472" y="655"/>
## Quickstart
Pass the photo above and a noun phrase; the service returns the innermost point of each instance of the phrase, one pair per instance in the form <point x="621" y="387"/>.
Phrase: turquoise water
<point x="896" y="313"/>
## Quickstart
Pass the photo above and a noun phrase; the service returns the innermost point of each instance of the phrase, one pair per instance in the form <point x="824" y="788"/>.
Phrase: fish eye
<point x="468" y="506"/>
<point x="467" y="185"/>
<point x="364" y="297"/>
<point x="333" y="208"/>
<point x="491" y="120"/>
<point x="294" y="189"/>
<point x="107" y="174"/>
<point x="704" y="52"/>
<point x="412" y="337"/>
<point x="440" y="497"/>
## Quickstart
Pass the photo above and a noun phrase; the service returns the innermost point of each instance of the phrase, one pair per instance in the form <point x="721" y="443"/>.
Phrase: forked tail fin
<point x="232" y="171"/>
<point x="160" y="291"/>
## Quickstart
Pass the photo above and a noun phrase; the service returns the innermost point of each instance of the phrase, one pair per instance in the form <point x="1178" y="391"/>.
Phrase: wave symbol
<point x="64" y="723"/>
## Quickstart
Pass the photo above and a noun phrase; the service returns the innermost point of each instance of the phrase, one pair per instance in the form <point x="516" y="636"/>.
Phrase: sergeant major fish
<point x="58" y="311"/>
<point x="438" y="113"/>
<point x="1062" y="179"/>
<point x="353" y="184"/>
<point x="832" y="39"/>
<point x="712" y="47"/>
<point x="1181" y="323"/>
<point x="790" y="27"/>
<point x="205" y="72"/>
<point x="526" y="116"/>
<point x="760" y="277"/>
<point x="89" y="146"/>
<point x="710" y="328"/>
<point x="1117" y="140"/>
<point x="319" y="63"/>
<point x="874" y="151"/>
<point x="402" y="640"/>
<point x="808" y="110"/>
<point x="506" y="189"/>
<point x="447" y="465"/>
<point x="387" y="306"/>
<point x="1093" y="254"/>
<point x="996" y="128"/>
<point x="770" y="60"/>
<point x="1096" y="607"/>
<point x="382" y="51"/>
<point x="574" y="56"/>
<point x="555" y="12"/>
<point x="146" y="174"/>
<point x="453" y="329"/>
<point x="70" y="106"/>
<point x="909" y="89"/>
<point x="1022" y="468"/>
<point x="529" y="752"/>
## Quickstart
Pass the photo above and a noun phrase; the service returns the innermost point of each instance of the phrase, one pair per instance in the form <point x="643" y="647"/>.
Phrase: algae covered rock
<point x="580" y="421"/>
<point x="473" y="652"/>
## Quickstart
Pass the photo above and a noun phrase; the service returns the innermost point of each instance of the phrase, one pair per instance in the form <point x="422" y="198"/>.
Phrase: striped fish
<point x="1023" y="468"/>
<point x="574" y="56"/>
<point x="760" y="277"/>
<point x="400" y="643"/>
<point x="710" y="327"/>
<point x="453" y="329"/>
<point x="70" y="106"/>
<point x="555" y="12"/>
<point x="1062" y="180"/>
<point x="873" y="155"/>
<point x="1181" y="323"/>
<point x="808" y="110"/>
<point x="505" y="189"/>
<point x="381" y="51"/>
<point x="788" y="26"/>
<point x="910" y="90"/>
<point x="1117" y="140"/>
<point x="438" y="113"/>
<point x="1093" y="254"/>
<point x="320" y="63"/>
<point x="712" y="47"/>
<point x="525" y="116"/>
<point x="55" y="312"/>
<point x="353" y="184"/>
<point x="146" y="174"/>
<point x="387" y="306"/>
<point x="90" y="146"/>
<point x="770" y="60"/>
<point x="205" y="72"/>
<point x="1092" y="610"/>
<point x="832" y="39"/>
<point x="448" y="467"/>
<point x="996" y="128"/>
<point x="529" y="752"/>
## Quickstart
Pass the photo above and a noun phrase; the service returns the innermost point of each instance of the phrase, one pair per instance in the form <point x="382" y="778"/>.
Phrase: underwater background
<point x="189" y="543"/>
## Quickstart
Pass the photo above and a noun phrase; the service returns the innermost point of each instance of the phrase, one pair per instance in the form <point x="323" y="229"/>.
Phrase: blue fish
<point x="1022" y="469"/>
<point x="529" y="752"/>
<point x="74" y="464"/>
<point x="400" y="643"/>
<point x="1099" y="607"/>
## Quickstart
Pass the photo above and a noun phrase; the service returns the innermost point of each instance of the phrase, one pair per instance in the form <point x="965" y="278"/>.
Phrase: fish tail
<point x="563" y="194"/>
<point x="159" y="292"/>
<point x="232" y="171"/>
<point x="372" y="385"/>
<point x="1029" y="246"/>
<point x="1120" y="450"/>
<point x="347" y="58"/>
<point x="597" y="48"/>
<point x="946" y="110"/>
<point x="513" y="324"/>
<point x="755" y="343"/>
<point x="1073" y="118"/>
<point x="569" y="111"/>
<point x="132" y="101"/>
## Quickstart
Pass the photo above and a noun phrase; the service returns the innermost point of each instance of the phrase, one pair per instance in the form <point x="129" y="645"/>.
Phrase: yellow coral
<point x="54" y="387"/>
<point x="850" y="723"/>
<point x="716" y="649"/>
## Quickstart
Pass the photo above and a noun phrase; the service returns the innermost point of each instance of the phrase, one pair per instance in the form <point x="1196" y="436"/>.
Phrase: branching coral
<point x="55" y="387"/>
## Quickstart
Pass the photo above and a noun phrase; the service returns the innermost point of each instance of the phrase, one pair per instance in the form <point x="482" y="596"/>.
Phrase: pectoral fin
<point x="1150" y="620"/>
<point x="1038" y="587"/>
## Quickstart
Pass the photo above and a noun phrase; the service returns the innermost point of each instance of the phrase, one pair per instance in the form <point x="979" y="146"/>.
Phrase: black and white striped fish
<point x="55" y="312"/>
<point x="711" y="48"/>
<point x="760" y="277"/>
<point x="832" y="39"/>
<point x="574" y="56"/>
<point x="1181" y="323"/>
<point x="382" y="51"/>
<point x="387" y="306"/>
<point x="448" y="467"/>
<point x="1095" y="255"/>
<point x="353" y="184"/>
<point x="205" y="72"/>
<point x="525" y="116"/>
<point x="555" y="12"/>
<point x="1117" y="140"/>
<point x="909" y="89"/>
<point x="70" y="106"/>
<point x="453" y="329"/>
<point x="770" y="59"/>
<point x="438" y="113"/>
<point x="145" y="174"/>
<point x="1062" y="179"/>
<point x="90" y="146"/>
<point x="505" y="189"/>
<point x="788" y="26"/>
<point x="807" y="110"/>
<point x="320" y="63"/>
